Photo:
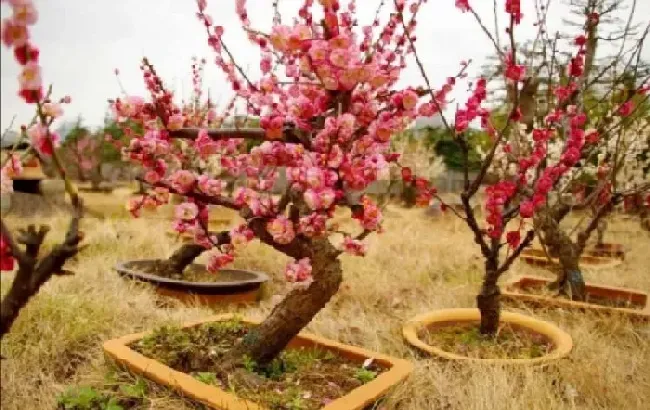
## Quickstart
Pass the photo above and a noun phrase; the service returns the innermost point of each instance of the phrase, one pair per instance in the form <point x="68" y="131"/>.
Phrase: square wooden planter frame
<point x="212" y="396"/>
<point x="510" y="292"/>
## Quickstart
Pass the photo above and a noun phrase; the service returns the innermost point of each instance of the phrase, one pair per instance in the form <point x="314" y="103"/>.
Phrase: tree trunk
<point x="289" y="317"/>
<point x="600" y="232"/>
<point x="569" y="277"/>
<point x="488" y="301"/>
<point x="141" y="188"/>
<point x="174" y="266"/>
<point x="570" y="281"/>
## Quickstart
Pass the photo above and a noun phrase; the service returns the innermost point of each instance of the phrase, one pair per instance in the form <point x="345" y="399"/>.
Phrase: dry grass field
<point x="421" y="263"/>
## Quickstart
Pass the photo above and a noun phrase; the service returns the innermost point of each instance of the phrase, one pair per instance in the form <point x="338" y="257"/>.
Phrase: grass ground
<point x="421" y="263"/>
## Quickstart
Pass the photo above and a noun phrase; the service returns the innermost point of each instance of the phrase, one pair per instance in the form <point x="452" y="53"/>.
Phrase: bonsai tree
<point x="132" y="126"/>
<point x="327" y="116"/>
<point x="518" y="154"/>
<point x="34" y="268"/>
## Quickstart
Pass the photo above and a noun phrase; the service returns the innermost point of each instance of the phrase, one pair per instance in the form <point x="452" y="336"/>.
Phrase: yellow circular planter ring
<point x="560" y="339"/>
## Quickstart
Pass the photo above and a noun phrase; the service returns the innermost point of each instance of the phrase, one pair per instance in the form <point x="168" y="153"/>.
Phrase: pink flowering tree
<point x="328" y="107"/>
<point x="519" y="153"/>
<point x="82" y="153"/>
<point x="34" y="269"/>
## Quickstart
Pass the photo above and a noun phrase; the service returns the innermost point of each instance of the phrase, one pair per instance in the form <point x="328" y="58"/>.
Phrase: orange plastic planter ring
<point x="561" y="340"/>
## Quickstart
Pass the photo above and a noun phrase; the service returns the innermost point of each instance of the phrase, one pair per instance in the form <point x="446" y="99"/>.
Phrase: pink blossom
<point x="312" y="225"/>
<point x="152" y="177"/>
<point x="175" y="122"/>
<point x="319" y="199"/>
<point x="134" y="205"/>
<point x="182" y="181"/>
<point x="371" y="215"/>
<point x="6" y="256"/>
<point x="43" y="139"/>
<point x="526" y="209"/>
<point x="463" y="5"/>
<point x="30" y="77"/>
<point x="52" y="110"/>
<point x="626" y="108"/>
<point x="13" y="167"/>
<point x="299" y="271"/>
<point x="25" y="14"/>
<point x="218" y="261"/>
<point x="281" y="229"/>
<point x="186" y="211"/>
<point x="241" y="235"/>
<point x="161" y="195"/>
<point x="354" y="246"/>
<point x="212" y="187"/>
<point x="13" y="34"/>
<point x="409" y="99"/>
<point x="513" y="238"/>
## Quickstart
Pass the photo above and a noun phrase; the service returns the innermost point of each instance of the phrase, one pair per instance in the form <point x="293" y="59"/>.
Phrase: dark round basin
<point x="231" y="286"/>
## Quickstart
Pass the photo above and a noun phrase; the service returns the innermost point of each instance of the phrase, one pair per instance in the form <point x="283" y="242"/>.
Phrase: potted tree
<point x="178" y="276"/>
<point x="329" y="123"/>
<point x="614" y="167"/>
<point x="528" y="171"/>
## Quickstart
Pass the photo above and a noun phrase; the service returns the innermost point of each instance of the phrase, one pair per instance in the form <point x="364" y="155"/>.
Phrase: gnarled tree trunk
<point x="289" y="317"/>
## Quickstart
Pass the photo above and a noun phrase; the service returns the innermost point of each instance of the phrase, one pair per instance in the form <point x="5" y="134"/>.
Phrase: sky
<point x="82" y="42"/>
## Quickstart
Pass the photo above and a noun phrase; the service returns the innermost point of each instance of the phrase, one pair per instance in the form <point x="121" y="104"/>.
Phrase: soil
<point x="193" y="273"/>
<point x="620" y="302"/>
<point x="465" y="339"/>
<point x="300" y="378"/>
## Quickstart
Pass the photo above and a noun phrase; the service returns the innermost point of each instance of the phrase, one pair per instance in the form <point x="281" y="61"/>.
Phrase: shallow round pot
<point x="561" y="340"/>
<point x="246" y="290"/>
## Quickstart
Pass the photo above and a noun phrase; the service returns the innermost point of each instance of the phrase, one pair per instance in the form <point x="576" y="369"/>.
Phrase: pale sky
<point x="83" y="41"/>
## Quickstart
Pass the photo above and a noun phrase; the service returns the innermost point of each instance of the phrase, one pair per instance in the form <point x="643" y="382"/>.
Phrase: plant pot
<point x="537" y="257"/>
<point x="641" y="310"/>
<point x="609" y="250"/>
<point x="242" y="286"/>
<point x="561" y="340"/>
<point x="213" y="397"/>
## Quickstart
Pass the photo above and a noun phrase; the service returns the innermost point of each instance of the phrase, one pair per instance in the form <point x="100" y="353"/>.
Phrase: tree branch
<point x="530" y="235"/>
<point x="33" y="273"/>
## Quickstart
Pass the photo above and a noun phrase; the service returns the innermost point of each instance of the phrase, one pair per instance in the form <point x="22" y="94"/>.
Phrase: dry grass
<point x="421" y="263"/>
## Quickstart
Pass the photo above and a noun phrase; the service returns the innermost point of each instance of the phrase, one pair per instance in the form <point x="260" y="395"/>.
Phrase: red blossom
<point x="6" y="258"/>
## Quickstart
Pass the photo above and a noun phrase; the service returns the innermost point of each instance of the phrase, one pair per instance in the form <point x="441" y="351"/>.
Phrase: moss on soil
<point x="466" y="340"/>
<point x="301" y="378"/>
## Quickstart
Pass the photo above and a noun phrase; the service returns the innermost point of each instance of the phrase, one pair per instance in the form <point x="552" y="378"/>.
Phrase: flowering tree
<point x="613" y="107"/>
<point x="520" y="152"/>
<point x="328" y="106"/>
<point x="33" y="269"/>
<point x="81" y="152"/>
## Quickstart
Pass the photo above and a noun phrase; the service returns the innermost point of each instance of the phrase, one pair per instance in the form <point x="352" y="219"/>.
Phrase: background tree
<point x="530" y="173"/>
